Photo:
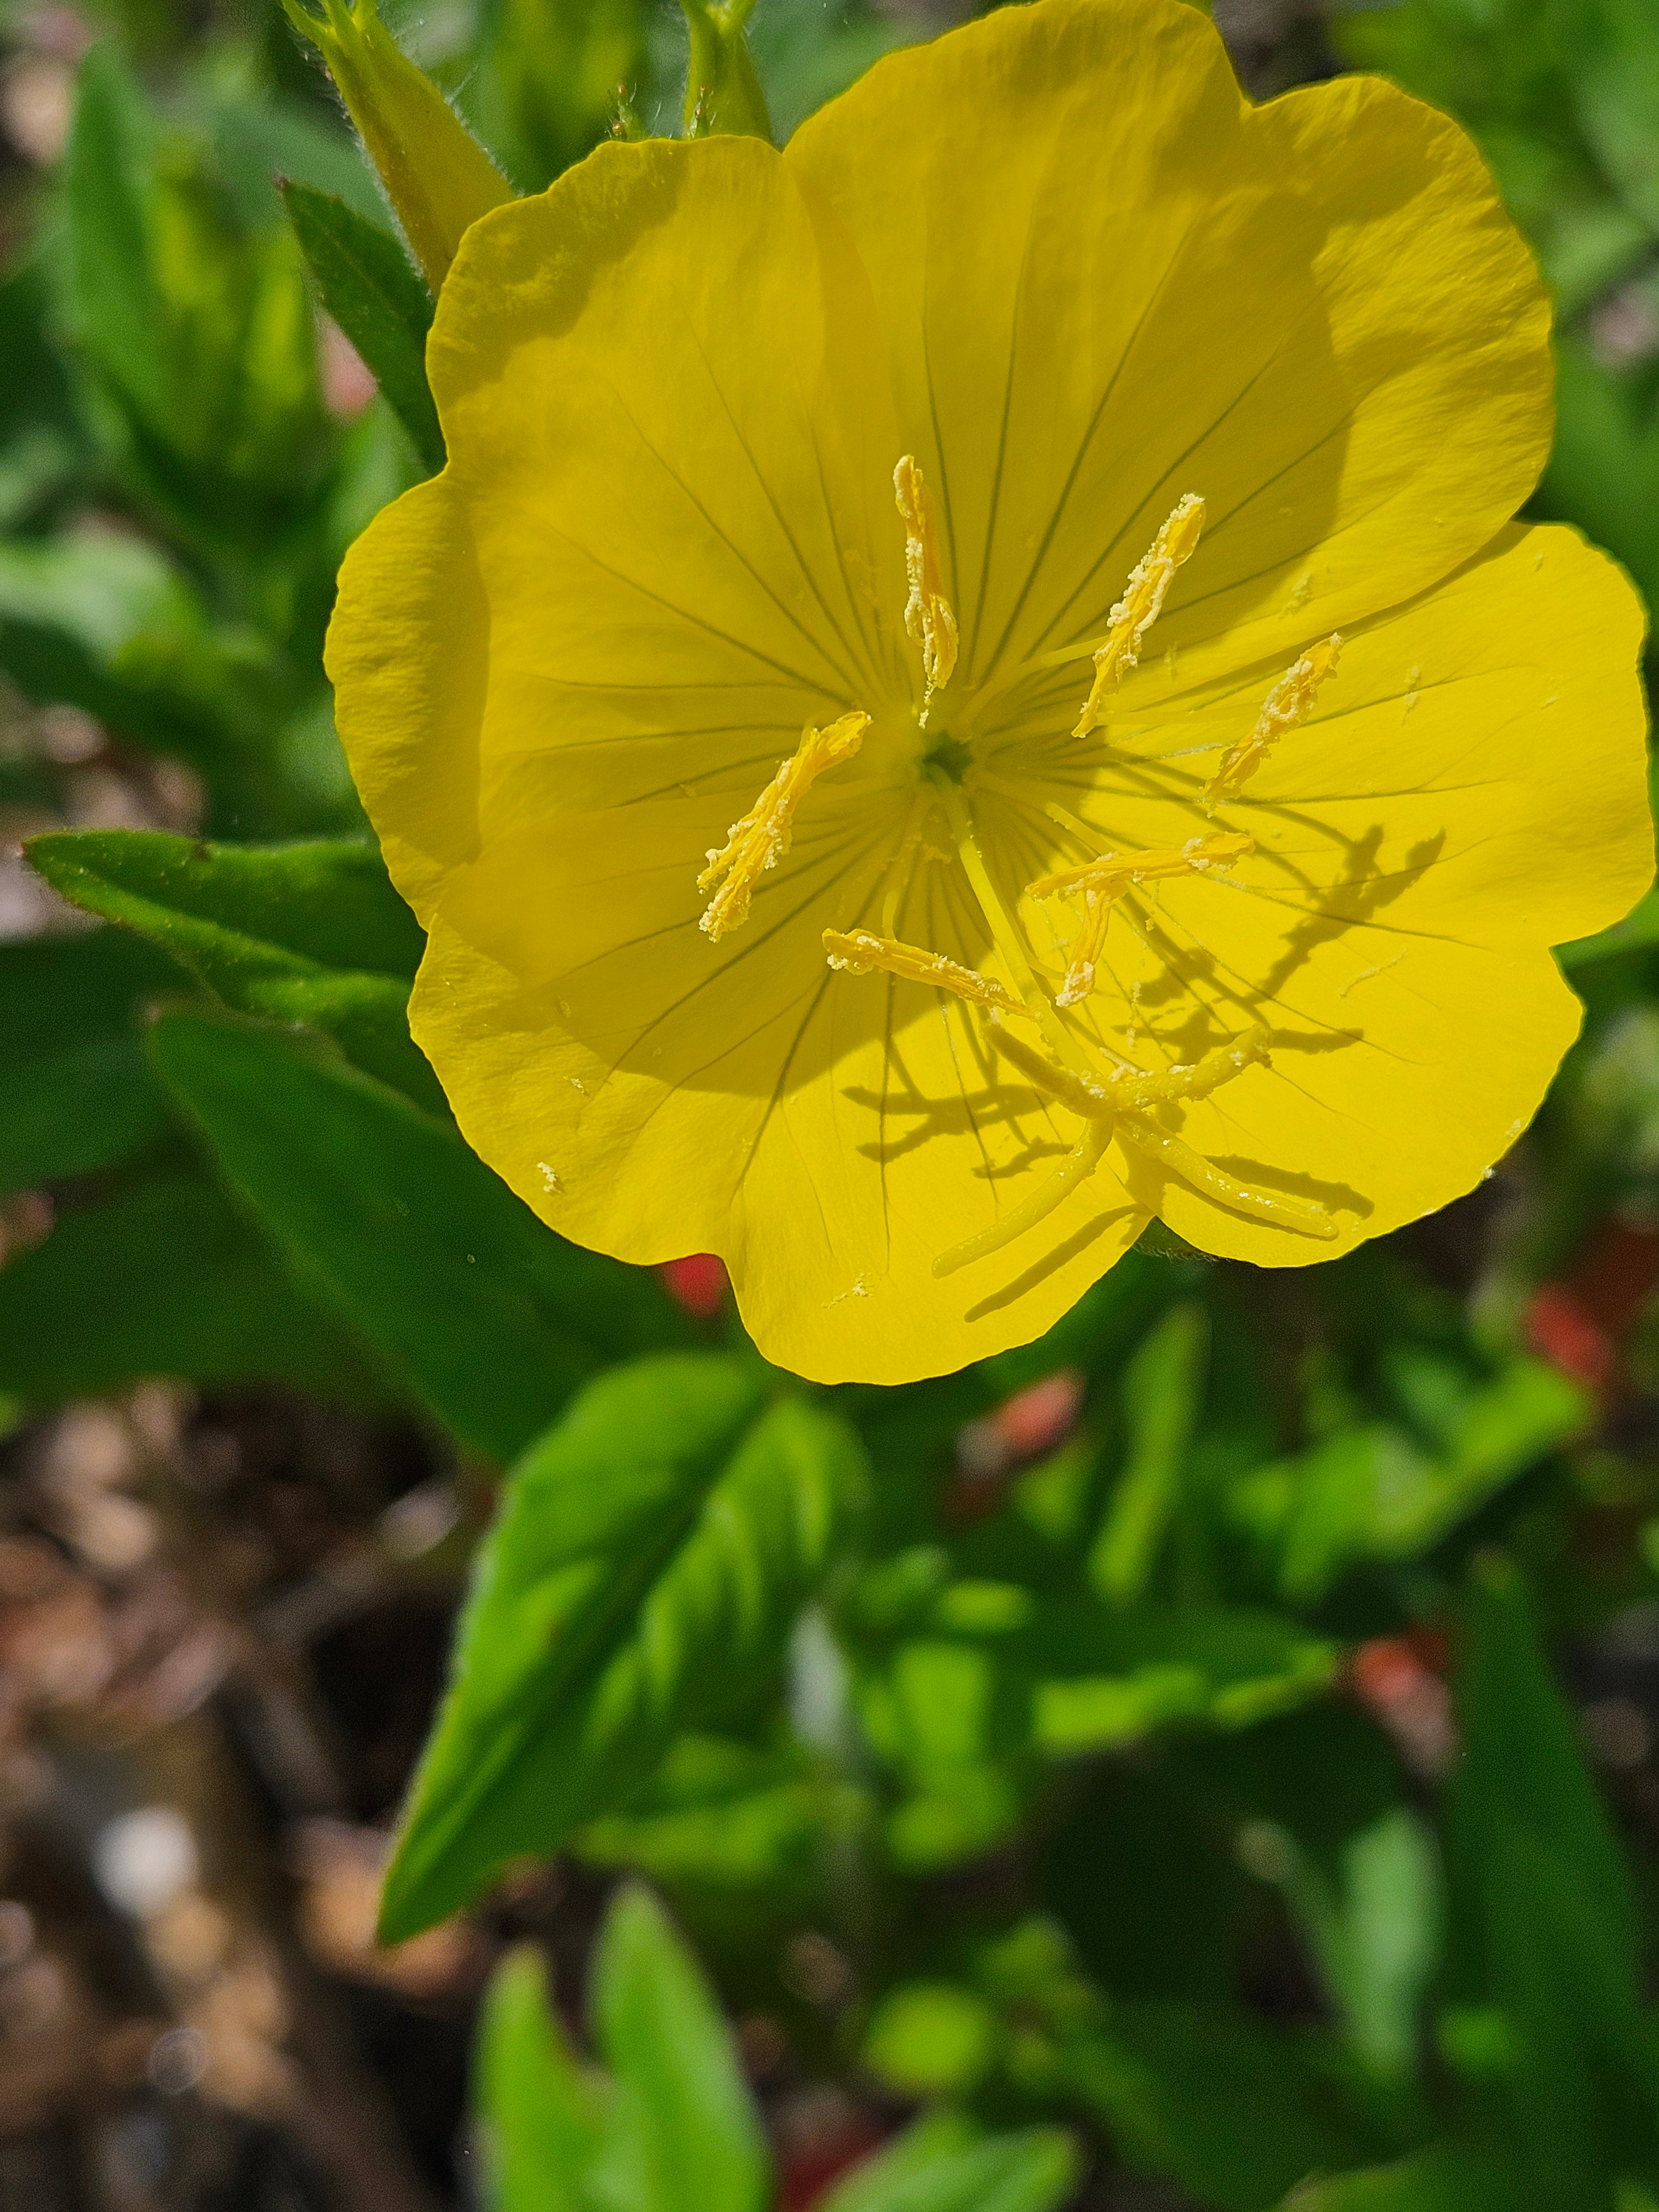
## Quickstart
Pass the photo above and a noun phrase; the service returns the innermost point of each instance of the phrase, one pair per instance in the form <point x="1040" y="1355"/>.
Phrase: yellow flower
<point x="968" y="684"/>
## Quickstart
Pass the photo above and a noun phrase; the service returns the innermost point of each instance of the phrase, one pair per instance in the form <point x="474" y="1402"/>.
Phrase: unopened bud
<point x="722" y="92"/>
<point x="438" y="177"/>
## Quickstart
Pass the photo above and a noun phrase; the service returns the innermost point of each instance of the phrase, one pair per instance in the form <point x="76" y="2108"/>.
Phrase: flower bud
<point x="722" y="92"/>
<point x="438" y="177"/>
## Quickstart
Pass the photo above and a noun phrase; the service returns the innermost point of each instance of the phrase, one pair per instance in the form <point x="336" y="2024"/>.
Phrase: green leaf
<point x="1637" y="933"/>
<point x="389" y="1218"/>
<point x="652" y="1554"/>
<point x="42" y="441"/>
<point x="721" y="1815"/>
<point x="1545" y="1920"/>
<point x="373" y="293"/>
<point x="103" y="621"/>
<point x="1161" y="1392"/>
<point x="1104" y="1679"/>
<point x="1006" y="1680"/>
<point x="1451" y="2178"/>
<point x="309" y="933"/>
<point x="77" y="1092"/>
<point x="1377" y="1493"/>
<point x="1236" y="2112"/>
<point x="116" y="306"/>
<point x="943" y="2164"/>
<point x="166" y="1278"/>
<point x="683" y="2129"/>
<point x="932" y="2040"/>
<point x="195" y="328"/>
<point x="541" y="2117"/>
<point x="1374" y="1931"/>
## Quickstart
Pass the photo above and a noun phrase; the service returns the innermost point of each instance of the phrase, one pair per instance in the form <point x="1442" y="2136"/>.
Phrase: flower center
<point x="1123" y="1102"/>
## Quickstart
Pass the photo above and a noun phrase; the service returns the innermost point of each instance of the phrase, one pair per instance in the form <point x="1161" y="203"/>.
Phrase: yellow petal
<point x="1470" y="791"/>
<point x="649" y="1094"/>
<point x="681" y="514"/>
<point x="409" y="658"/>
<point x="1313" y="314"/>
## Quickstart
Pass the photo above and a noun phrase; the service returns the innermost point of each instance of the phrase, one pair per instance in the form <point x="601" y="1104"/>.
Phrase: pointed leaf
<point x="540" y="2115"/>
<point x="1235" y="2110"/>
<point x="683" y="2127"/>
<point x="1161" y="1392"/>
<point x="938" y="2165"/>
<point x="307" y="932"/>
<point x="1544" y="1912"/>
<point x="373" y="293"/>
<point x="390" y="1221"/>
<point x="652" y="1554"/>
<point x="1451" y="2178"/>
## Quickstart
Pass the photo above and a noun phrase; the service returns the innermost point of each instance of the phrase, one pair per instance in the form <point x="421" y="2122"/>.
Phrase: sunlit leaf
<point x="310" y="932"/>
<point x="652" y="1554"/>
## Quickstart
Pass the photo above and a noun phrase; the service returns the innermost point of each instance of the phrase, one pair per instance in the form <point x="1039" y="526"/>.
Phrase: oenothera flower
<point x="968" y="684"/>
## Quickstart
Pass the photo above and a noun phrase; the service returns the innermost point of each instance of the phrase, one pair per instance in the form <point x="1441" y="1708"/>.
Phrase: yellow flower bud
<point x="438" y="177"/>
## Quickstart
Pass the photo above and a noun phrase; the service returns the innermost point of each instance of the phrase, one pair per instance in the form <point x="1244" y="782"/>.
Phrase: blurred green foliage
<point x="1080" y="1767"/>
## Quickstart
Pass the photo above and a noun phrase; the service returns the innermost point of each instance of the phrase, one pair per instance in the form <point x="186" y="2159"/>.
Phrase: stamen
<point x="1303" y="1215"/>
<point x="929" y="619"/>
<point x="1141" y="605"/>
<point x="1104" y="880"/>
<point x="1118" y="1107"/>
<point x="1003" y="935"/>
<point x="1078" y="1165"/>
<point x="857" y="951"/>
<point x="1090" y="943"/>
<point x="1289" y="702"/>
<point x="1115" y="872"/>
<point x="1132" y="1093"/>
<point x="760" y="839"/>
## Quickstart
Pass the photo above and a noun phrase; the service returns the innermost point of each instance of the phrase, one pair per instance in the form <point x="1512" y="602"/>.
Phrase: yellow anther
<point x="1104" y="880"/>
<point x="1114" y="872"/>
<point x="760" y="839"/>
<point x="1289" y="702"/>
<point x="1086" y="949"/>
<point x="1140" y="606"/>
<point x="929" y="619"/>
<point x="1118" y="1106"/>
<point x="1134" y="1093"/>
<point x="859" y="951"/>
